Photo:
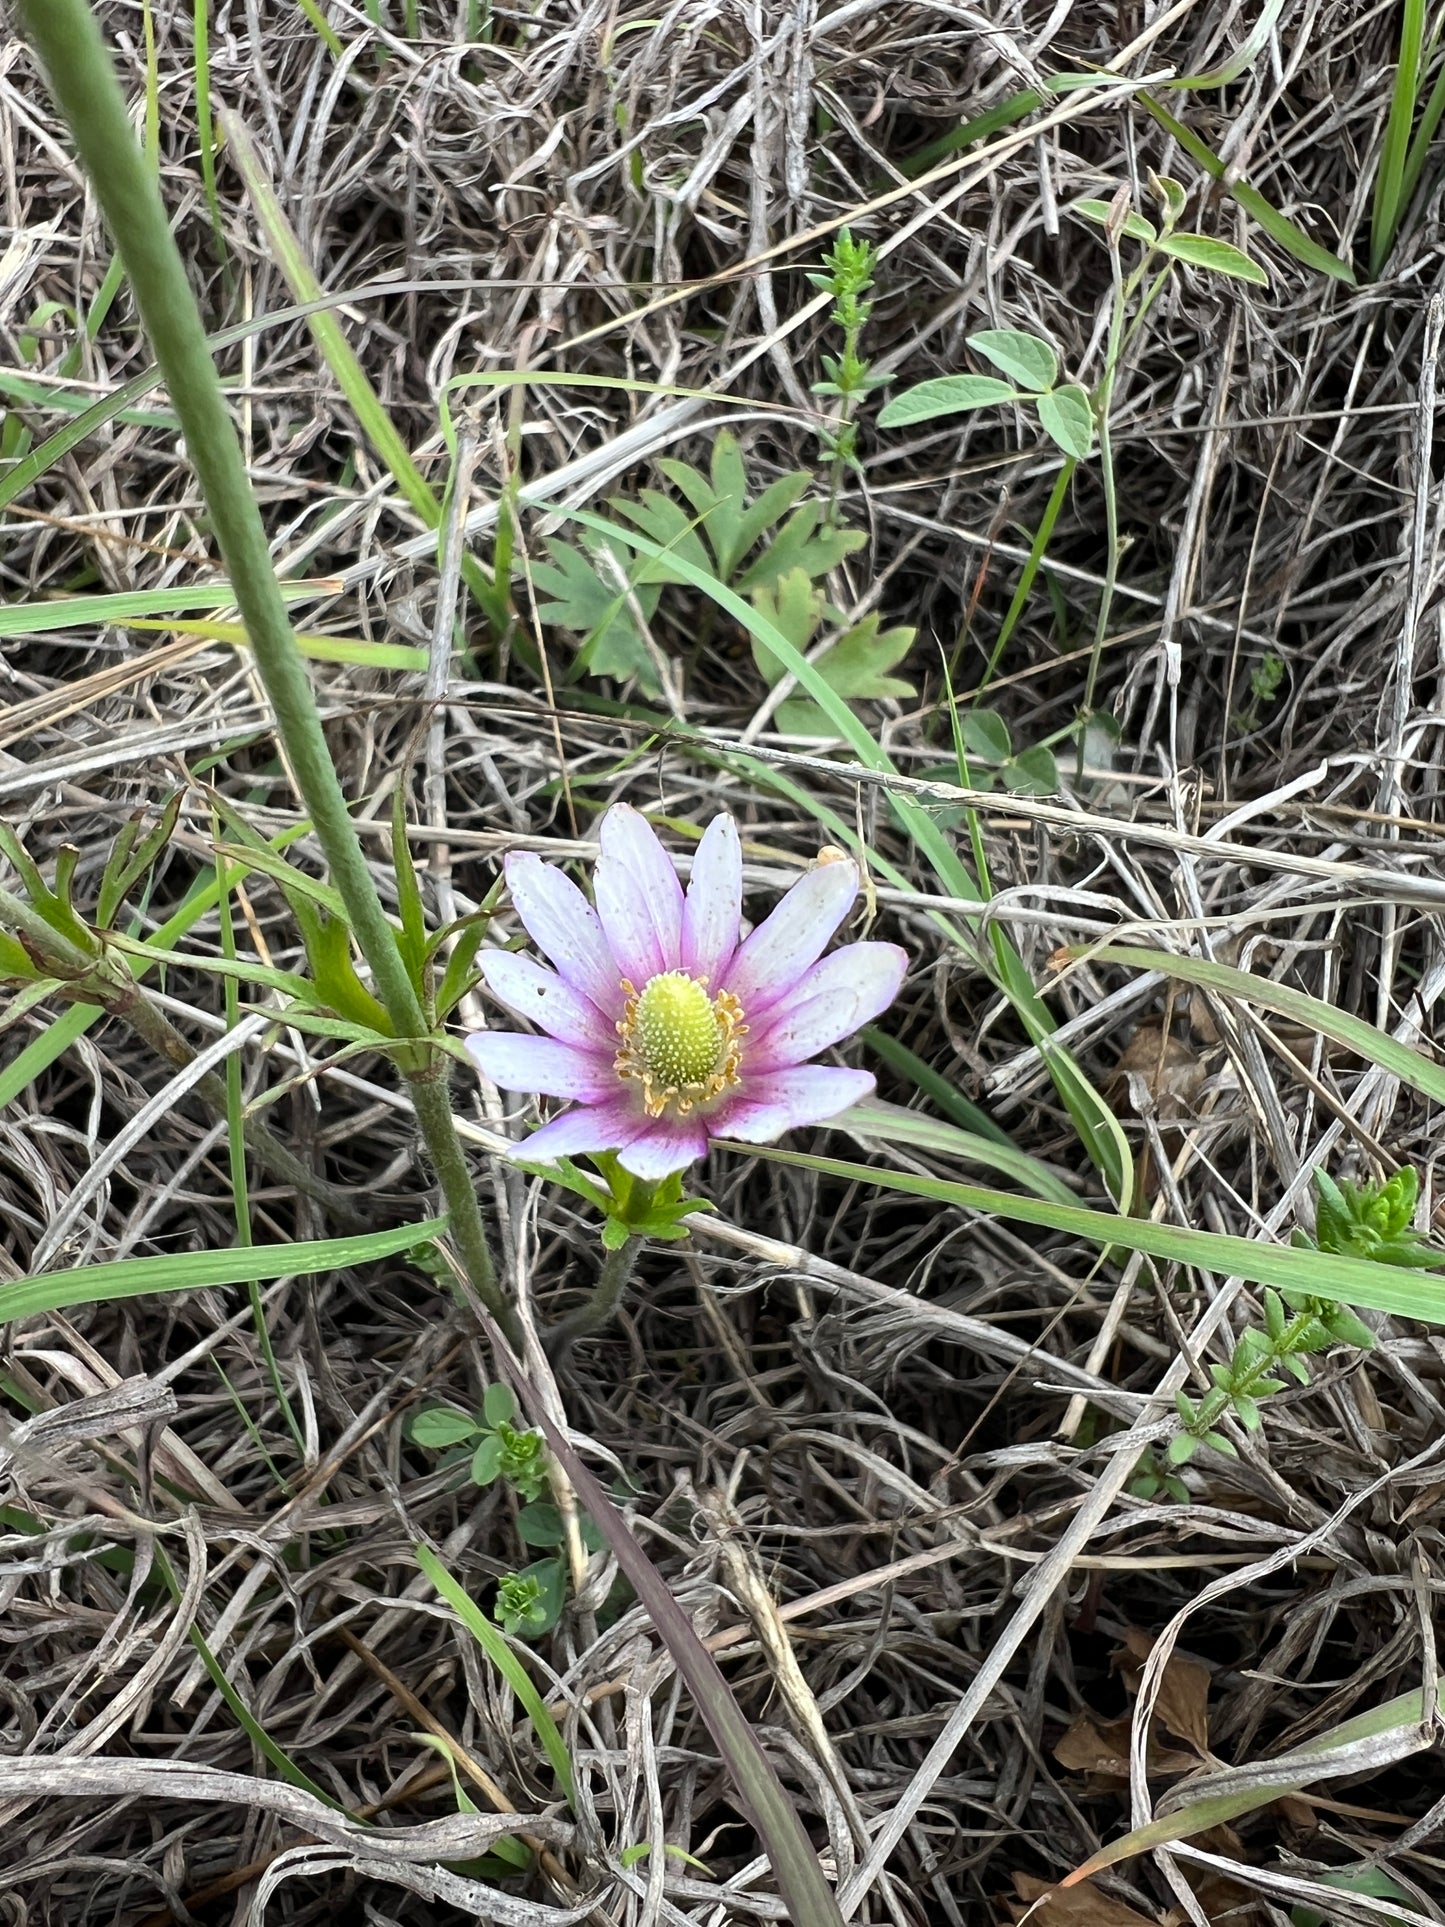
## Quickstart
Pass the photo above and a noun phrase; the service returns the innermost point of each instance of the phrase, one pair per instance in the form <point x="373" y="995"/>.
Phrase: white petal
<point x="786" y="943"/>
<point x="543" y="1066"/>
<point x="781" y="1101"/>
<point x="544" y="999"/>
<point x="831" y="1001"/>
<point x="668" y="1145"/>
<point x="563" y="924"/>
<point x="639" y="899"/>
<point x="712" y="914"/>
<point x="593" y="1127"/>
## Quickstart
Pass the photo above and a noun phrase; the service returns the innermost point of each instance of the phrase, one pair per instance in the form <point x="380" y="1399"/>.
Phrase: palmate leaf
<point x="598" y="611"/>
<point x="714" y="530"/>
<point x="805" y="541"/>
<point x="856" y="667"/>
<point x="731" y="525"/>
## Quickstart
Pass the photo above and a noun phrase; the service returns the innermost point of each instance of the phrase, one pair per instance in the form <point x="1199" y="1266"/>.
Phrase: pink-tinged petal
<point x="781" y="1101"/>
<point x="543" y="1066"/>
<point x="561" y="922"/>
<point x="539" y="995"/>
<point x="712" y="914"/>
<point x="829" y="1002"/>
<point x="639" y="899"/>
<point x="595" y="1127"/>
<point x="668" y="1144"/>
<point x="793" y="938"/>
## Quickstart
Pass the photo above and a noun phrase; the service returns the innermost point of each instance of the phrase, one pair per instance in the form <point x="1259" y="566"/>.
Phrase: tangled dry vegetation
<point x="881" y="1449"/>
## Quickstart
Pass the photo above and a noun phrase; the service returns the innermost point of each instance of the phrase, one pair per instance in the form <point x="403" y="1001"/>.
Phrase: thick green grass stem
<point x="66" y="37"/>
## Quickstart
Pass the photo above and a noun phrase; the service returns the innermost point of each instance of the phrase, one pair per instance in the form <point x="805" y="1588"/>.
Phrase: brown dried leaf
<point x="1158" y="1072"/>
<point x="1183" y="1702"/>
<point x="1102" y="1747"/>
<point x="1083" y="1906"/>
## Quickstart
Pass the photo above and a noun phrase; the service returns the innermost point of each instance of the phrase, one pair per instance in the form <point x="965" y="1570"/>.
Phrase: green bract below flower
<point x="663" y="1023"/>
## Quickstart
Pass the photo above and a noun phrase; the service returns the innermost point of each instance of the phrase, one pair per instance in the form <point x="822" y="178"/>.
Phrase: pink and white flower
<point x="663" y="1024"/>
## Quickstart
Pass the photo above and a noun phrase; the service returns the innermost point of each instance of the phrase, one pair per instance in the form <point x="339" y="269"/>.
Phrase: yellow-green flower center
<point x="681" y="1045"/>
<point x="679" y="1038"/>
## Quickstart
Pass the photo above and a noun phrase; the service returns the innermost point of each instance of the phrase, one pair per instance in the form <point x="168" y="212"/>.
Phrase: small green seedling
<point x="500" y="1450"/>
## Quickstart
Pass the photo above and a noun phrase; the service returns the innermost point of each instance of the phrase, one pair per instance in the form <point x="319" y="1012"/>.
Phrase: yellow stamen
<point x="681" y="1045"/>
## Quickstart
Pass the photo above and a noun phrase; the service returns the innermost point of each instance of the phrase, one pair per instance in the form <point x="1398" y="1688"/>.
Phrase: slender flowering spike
<point x="661" y="1022"/>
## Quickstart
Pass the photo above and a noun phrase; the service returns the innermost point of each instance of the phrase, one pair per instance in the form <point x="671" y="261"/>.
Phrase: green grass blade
<point x="96" y="611"/>
<point x="1403" y="1719"/>
<point x="195" y="1270"/>
<point x="355" y="650"/>
<point x="934" y="1086"/>
<point x="351" y="377"/>
<point x="507" y="1664"/>
<point x="205" y="121"/>
<point x="1390" y="176"/>
<point x="1320" y="1274"/>
<point x="876" y="1123"/>
<point x="245" y="1719"/>
<point x="41" y="1052"/>
<point x="1430" y="118"/>
<point x="236" y="1148"/>
<point x="324" y="32"/>
<point x="1244" y="55"/>
<point x="984" y="126"/>
<point x="56" y="399"/>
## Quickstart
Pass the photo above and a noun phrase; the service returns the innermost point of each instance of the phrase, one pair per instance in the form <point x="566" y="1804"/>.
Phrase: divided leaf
<point x="598" y="611"/>
<point x="806" y="542"/>
<point x="856" y="666"/>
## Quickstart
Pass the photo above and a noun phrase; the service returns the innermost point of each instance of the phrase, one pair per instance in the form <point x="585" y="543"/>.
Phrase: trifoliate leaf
<point x="985" y="733"/>
<point x="1026" y="359"/>
<point x="1033" y="772"/>
<point x="945" y="395"/>
<point x="1067" y="416"/>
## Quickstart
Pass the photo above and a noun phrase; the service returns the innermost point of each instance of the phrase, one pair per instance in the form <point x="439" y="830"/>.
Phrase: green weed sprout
<point x="1370" y="1221"/>
<point x="522" y="1605"/>
<point x="847" y="275"/>
<point x="500" y="1451"/>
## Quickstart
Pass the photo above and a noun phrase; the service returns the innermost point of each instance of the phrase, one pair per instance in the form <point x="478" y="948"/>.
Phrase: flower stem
<point x="617" y="1268"/>
<point x="83" y="81"/>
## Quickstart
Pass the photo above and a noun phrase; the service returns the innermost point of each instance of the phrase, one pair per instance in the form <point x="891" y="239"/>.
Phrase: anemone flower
<point x="664" y="1025"/>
